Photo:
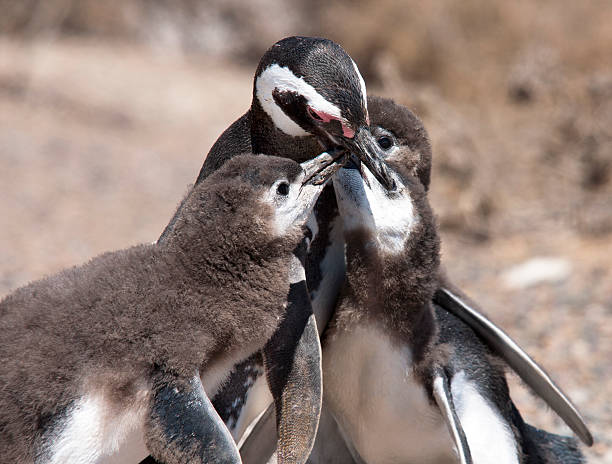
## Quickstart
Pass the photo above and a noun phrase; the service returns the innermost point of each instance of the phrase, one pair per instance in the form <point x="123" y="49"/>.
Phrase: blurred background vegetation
<point x="107" y="110"/>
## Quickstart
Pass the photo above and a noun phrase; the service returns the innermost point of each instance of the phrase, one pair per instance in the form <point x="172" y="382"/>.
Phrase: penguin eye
<point x="384" y="142"/>
<point x="312" y="114"/>
<point x="283" y="189"/>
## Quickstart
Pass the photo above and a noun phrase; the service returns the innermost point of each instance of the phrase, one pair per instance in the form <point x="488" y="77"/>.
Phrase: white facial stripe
<point x="392" y="218"/>
<point x="281" y="78"/>
<point x="482" y="425"/>
<point x="362" y="84"/>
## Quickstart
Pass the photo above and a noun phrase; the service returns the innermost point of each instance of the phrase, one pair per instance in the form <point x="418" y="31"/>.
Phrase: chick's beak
<point x="319" y="170"/>
<point x="364" y="145"/>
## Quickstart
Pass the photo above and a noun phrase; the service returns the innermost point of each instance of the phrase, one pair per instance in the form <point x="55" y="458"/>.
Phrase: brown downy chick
<point x="393" y="360"/>
<point x="404" y="139"/>
<point x="131" y="343"/>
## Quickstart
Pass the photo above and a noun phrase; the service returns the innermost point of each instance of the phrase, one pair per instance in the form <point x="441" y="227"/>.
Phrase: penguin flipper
<point x="183" y="426"/>
<point x="294" y="375"/>
<point x="527" y="369"/>
<point x="292" y="361"/>
<point x="444" y="400"/>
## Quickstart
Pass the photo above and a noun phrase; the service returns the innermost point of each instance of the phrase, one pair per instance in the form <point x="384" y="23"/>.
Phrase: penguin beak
<point x="319" y="170"/>
<point x="364" y="145"/>
<point x="316" y="172"/>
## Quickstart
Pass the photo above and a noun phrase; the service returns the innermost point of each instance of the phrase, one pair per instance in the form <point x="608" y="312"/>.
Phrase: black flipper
<point x="183" y="426"/>
<point x="542" y="447"/>
<point x="259" y="443"/>
<point x="527" y="369"/>
<point x="444" y="400"/>
<point x="292" y="360"/>
<point x="293" y="371"/>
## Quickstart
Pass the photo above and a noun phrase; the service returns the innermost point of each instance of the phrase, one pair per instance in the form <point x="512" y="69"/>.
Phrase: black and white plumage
<point x="297" y="124"/>
<point x="129" y="346"/>
<point x="308" y="96"/>
<point x="404" y="138"/>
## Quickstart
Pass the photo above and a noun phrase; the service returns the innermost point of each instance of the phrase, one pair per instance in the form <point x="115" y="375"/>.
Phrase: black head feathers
<point x="321" y="65"/>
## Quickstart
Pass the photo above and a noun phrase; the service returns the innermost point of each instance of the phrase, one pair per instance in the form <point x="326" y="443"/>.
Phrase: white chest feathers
<point x="379" y="406"/>
<point x="97" y="432"/>
<point x="384" y="413"/>
<point x="483" y="425"/>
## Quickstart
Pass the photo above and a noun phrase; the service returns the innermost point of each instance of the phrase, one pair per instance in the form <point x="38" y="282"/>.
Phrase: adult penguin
<point x="308" y="96"/>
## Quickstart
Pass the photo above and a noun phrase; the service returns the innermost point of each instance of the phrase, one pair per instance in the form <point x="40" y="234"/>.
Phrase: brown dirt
<point x="99" y="140"/>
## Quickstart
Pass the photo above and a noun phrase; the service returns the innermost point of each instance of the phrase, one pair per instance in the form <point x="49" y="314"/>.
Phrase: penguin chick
<point x="393" y="361"/>
<point x="132" y="343"/>
<point x="404" y="139"/>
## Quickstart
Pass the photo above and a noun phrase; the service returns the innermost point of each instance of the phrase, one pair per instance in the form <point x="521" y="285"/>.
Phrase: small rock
<point x="536" y="271"/>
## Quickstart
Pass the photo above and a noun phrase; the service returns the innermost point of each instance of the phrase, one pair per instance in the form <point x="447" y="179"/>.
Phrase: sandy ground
<point x="98" y="144"/>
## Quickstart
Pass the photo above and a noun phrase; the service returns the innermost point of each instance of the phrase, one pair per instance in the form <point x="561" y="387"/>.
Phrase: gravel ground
<point x="99" y="143"/>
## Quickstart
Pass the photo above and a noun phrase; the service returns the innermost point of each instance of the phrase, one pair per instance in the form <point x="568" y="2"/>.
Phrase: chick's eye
<point x="312" y="114"/>
<point x="384" y="142"/>
<point x="283" y="189"/>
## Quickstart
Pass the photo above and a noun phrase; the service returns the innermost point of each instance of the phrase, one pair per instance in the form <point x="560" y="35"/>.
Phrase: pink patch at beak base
<point x="348" y="132"/>
<point x="326" y="117"/>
